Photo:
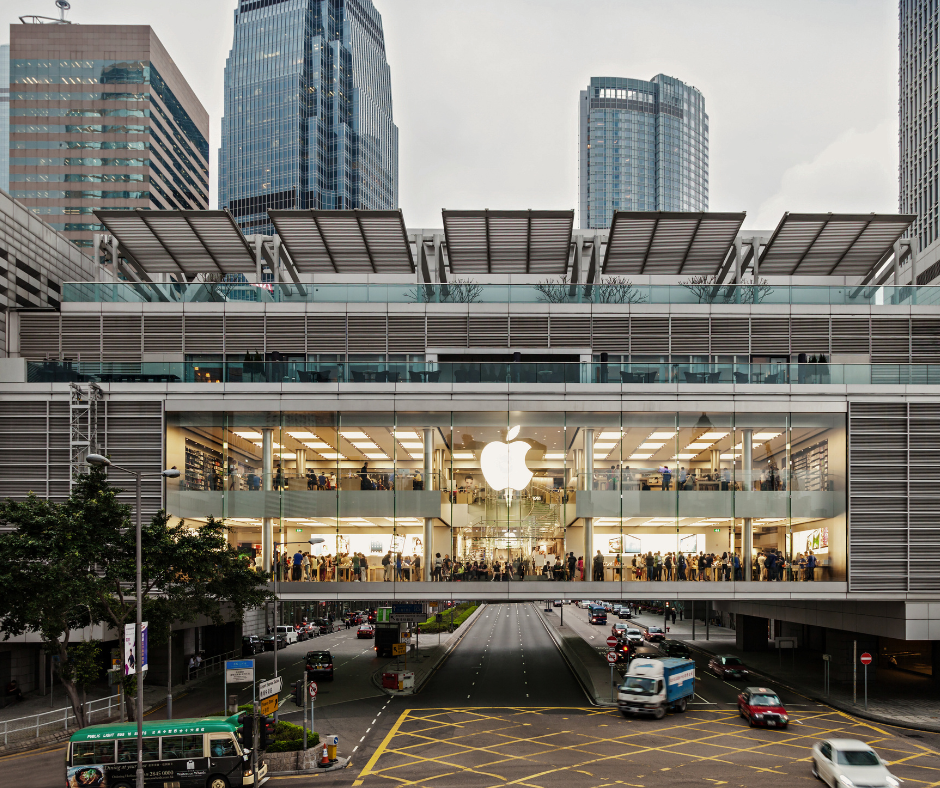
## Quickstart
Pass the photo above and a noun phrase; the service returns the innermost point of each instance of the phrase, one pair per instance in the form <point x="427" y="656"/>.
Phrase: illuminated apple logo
<point x="503" y="464"/>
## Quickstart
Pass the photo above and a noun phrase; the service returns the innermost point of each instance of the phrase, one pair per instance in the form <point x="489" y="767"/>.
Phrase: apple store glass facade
<point x="637" y="497"/>
<point x="644" y="147"/>
<point x="308" y="111"/>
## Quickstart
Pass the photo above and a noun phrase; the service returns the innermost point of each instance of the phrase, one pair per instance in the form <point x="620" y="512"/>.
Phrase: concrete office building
<point x="308" y="111"/>
<point x="101" y="117"/>
<point x="360" y="399"/>
<point x="643" y="146"/>
<point x="917" y="133"/>
<point x="4" y="116"/>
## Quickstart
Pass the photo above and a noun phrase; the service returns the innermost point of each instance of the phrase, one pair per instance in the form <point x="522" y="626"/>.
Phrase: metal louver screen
<point x="39" y="335"/>
<point x="243" y="334"/>
<point x="81" y="337"/>
<point x="809" y="335"/>
<point x="406" y="334"/>
<point x="770" y="335"/>
<point x="730" y="335"/>
<point x="689" y="335"/>
<point x="878" y="497"/>
<point x="447" y="330"/>
<point x="925" y="340"/>
<point x="203" y="334"/>
<point x="121" y="340"/>
<point x="924" y="502"/>
<point x="570" y="331"/>
<point x="326" y="333"/>
<point x="34" y="449"/>
<point x="890" y="341"/>
<point x="649" y="335"/>
<point x="285" y="333"/>
<point x="367" y="333"/>
<point x="528" y="331"/>
<point x="133" y="437"/>
<point x="610" y="333"/>
<point x="850" y="335"/>
<point x="488" y="331"/>
<point x="163" y="333"/>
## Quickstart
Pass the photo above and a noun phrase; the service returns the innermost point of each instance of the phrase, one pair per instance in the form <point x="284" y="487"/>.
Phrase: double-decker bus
<point x="189" y="753"/>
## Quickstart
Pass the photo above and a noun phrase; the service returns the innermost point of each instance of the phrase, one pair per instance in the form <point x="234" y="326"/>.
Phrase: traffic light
<point x="299" y="692"/>
<point x="245" y="734"/>
<point x="265" y="731"/>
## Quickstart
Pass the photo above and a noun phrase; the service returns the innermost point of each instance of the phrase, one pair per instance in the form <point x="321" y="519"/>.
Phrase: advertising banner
<point x="133" y="661"/>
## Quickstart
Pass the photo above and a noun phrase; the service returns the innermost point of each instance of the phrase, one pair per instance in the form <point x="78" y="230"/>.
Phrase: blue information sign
<point x="236" y="664"/>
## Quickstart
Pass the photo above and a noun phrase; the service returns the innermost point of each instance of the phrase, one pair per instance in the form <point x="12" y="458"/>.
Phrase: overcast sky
<point x="801" y="95"/>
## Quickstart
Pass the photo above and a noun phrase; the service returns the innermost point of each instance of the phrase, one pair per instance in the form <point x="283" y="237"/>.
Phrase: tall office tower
<point x="4" y="116"/>
<point x="643" y="147"/>
<point x="101" y="117"/>
<point x="308" y="111"/>
<point x="917" y="171"/>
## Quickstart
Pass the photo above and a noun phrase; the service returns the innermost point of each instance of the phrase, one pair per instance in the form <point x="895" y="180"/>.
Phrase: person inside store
<point x="297" y="567"/>
<point x="365" y="483"/>
<point x="417" y="482"/>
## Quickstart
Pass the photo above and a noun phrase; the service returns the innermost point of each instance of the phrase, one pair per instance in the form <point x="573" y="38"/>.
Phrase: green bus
<point x="189" y="753"/>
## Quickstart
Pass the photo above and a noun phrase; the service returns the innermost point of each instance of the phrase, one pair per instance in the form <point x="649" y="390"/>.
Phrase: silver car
<point x="844" y="763"/>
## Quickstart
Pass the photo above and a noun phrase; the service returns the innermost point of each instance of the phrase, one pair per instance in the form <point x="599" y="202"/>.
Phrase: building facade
<point x="308" y="111"/>
<point x="917" y="133"/>
<point x="643" y="147"/>
<point x="4" y="116"/>
<point x="89" y="131"/>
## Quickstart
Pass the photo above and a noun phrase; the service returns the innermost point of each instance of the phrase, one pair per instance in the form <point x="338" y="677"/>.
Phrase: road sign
<point x="865" y="658"/>
<point x="611" y="657"/>
<point x="611" y="641"/>
<point x="407" y="607"/>
<point x="271" y="687"/>
<point x="239" y="671"/>
<point x="398" y="649"/>
<point x="382" y="615"/>
<point x="408" y="618"/>
<point x="268" y="705"/>
<point x="312" y="689"/>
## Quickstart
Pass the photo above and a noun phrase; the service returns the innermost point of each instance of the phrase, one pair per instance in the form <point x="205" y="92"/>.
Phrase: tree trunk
<point x="71" y="690"/>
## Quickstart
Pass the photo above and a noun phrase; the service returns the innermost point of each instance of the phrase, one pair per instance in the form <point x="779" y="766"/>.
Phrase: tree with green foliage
<point x="72" y="565"/>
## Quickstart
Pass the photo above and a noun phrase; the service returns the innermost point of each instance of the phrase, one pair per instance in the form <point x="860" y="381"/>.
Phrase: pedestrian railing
<point x="213" y="664"/>
<point x="36" y="725"/>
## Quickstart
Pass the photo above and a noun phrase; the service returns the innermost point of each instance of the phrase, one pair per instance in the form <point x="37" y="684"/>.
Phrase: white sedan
<point x="846" y="763"/>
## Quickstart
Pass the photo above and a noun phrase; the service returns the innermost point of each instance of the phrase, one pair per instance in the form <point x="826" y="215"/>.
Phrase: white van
<point x="289" y="633"/>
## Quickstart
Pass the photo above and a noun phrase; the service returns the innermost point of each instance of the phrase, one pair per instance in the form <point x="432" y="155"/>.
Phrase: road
<point x="504" y="708"/>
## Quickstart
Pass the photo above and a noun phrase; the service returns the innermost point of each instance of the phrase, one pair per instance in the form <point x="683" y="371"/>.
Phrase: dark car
<point x="654" y="634"/>
<point x="268" y="641"/>
<point x="674" y="648"/>
<point x="372" y="617"/>
<point x="646" y="652"/>
<point x="251" y="645"/>
<point x="624" y="650"/>
<point x="624" y="612"/>
<point x="728" y="667"/>
<point x="324" y="626"/>
<point x="319" y="663"/>
<point x="365" y="631"/>
<point x="761" y="706"/>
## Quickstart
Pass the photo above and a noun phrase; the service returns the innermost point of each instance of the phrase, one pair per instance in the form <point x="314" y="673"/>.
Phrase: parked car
<point x="728" y="667"/>
<point x="619" y="630"/>
<point x="302" y="632"/>
<point x="251" y="645"/>
<point x="268" y="641"/>
<point x="319" y="663"/>
<point x="675" y="648"/>
<point x="323" y="626"/>
<point x="846" y="762"/>
<point x="365" y="631"/>
<point x="654" y="634"/>
<point x="761" y="706"/>
<point x="289" y="633"/>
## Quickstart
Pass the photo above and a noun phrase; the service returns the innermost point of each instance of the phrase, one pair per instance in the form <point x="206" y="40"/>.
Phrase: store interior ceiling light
<point x="651" y="446"/>
<point x="354" y="435"/>
<point x="364" y="445"/>
<point x="662" y="436"/>
<point x="376" y="455"/>
<point x="552" y="455"/>
<point x="698" y="446"/>
<point x="685" y="456"/>
<point x="317" y="445"/>
<point x="463" y="455"/>
<point x="408" y="435"/>
<point x="248" y="435"/>
<point x="409" y="445"/>
<point x="640" y="456"/>
<point x="604" y="446"/>
<point x="300" y="435"/>
<point x="610" y="436"/>
<point x="729" y="456"/>
<point x="765" y="436"/>
<point x="275" y="444"/>
<point x="287" y="455"/>
<point x="332" y="455"/>
<point x="712" y="436"/>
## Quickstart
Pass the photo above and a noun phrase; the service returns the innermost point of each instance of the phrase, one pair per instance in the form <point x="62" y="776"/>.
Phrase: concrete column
<point x="428" y="558"/>
<point x="897" y="263"/>
<point x="267" y="474"/>
<point x="755" y="247"/>
<point x="913" y="248"/>
<point x="302" y="463"/>
<point x="587" y="483"/>
<point x="259" y="240"/>
<point x="747" y="535"/>
<point x="738" y="258"/>
<point x="276" y="256"/>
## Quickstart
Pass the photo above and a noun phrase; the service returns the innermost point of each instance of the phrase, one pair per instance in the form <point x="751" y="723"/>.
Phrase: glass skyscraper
<point x="308" y="111"/>
<point x="643" y="147"/>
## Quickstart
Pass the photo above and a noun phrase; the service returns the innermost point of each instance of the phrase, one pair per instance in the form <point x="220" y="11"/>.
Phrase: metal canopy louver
<point x="345" y="242"/>
<point x="508" y="242"/>
<point x="827" y="244"/>
<point x="659" y="242"/>
<point x="189" y="242"/>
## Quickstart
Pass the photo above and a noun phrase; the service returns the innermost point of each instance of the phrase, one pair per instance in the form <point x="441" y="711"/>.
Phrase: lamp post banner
<point x="131" y="661"/>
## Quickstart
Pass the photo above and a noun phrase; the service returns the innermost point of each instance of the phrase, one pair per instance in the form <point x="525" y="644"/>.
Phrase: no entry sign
<point x="611" y="657"/>
<point x="866" y="658"/>
<point x="611" y="641"/>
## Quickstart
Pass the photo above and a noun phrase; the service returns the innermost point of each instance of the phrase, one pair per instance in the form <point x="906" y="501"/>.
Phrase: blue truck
<point x="653" y="686"/>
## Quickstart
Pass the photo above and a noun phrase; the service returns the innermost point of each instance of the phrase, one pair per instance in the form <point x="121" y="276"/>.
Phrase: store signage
<point x="503" y="464"/>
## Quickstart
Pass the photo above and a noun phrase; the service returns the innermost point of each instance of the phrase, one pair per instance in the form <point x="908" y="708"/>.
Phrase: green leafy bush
<point x="461" y="613"/>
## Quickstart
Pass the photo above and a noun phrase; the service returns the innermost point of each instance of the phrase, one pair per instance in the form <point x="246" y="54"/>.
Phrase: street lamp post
<point x="100" y="461"/>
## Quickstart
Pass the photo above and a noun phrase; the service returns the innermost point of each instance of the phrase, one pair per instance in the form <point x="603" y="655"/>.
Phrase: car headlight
<point x="784" y="717"/>
<point x="846" y="781"/>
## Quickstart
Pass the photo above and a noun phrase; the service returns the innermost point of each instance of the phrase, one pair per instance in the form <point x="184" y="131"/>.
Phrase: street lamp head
<point x="97" y="460"/>
<point x="171" y="473"/>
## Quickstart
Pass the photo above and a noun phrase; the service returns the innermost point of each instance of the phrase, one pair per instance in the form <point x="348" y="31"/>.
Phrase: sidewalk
<point x="429" y="658"/>
<point x="894" y="697"/>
